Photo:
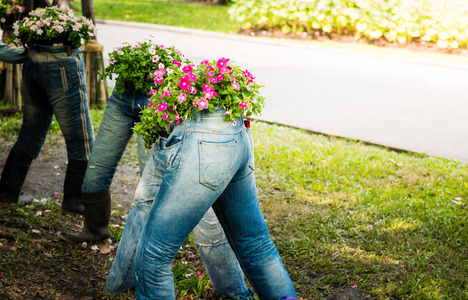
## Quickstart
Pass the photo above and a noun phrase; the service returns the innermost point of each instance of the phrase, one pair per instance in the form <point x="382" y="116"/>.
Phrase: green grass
<point x="163" y="12"/>
<point x="343" y="213"/>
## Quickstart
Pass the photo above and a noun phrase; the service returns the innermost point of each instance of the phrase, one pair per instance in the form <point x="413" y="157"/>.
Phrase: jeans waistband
<point x="52" y="49"/>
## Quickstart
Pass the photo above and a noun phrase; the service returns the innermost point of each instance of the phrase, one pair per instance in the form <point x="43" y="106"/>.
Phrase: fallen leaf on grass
<point x="48" y="255"/>
<point x="105" y="250"/>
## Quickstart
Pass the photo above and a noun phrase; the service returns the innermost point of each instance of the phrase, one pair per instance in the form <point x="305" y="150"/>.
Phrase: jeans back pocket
<point x="217" y="162"/>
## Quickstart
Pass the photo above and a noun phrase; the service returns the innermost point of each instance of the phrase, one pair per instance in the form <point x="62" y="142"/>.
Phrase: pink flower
<point x="222" y="63"/>
<point x="156" y="58"/>
<point x="209" y="74"/>
<point x="160" y="72"/>
<point x="176" y="63"/>
<point x="187" y="69"/>
<point x="111" y="61"/>
<point x="3" y="20"/>
<point x="192" y="90"/>
<point x="152" y="91"/>
<point x="220" y="77"/>
<point x="166" y="117"/>
<point x="214" y="79"/>
<point x="191" y="77"/>
<point x="235" y="86"/>
<point x="184" y="83"/>
<point x="84" y="245"/>
<point x="120" y="52"/>
<point x="162" y="106"/>
<point x="244" y="104"/>
<point x="56" y="196"/>
<point x="158" y="79"/>
<point x="182" y="97"/>
<point x="248" y="75"/>
<point x="203" y="103"/>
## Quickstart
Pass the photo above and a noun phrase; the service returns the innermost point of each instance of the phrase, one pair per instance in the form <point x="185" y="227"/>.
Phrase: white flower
<point x="94" y="248"/>
<point x="161" y="66"/>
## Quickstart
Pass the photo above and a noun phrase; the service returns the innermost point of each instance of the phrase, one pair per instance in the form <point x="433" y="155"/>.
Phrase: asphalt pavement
<point x="407" y="104"/>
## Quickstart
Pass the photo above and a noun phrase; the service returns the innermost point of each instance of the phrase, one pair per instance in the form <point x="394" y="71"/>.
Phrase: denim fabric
<point x="54" y="83"/>
<point x="221" y="263"/>
<point x="209" y="163"/>
<point x="11" y="54"/>
<point x="115" y="131"/>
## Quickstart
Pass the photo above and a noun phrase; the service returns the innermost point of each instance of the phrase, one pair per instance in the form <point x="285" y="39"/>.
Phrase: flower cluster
<point x="137" y="63"/>
<point x="51" y="24"/>
<point x="10" y="11"/>
<point x="192" y="88"/>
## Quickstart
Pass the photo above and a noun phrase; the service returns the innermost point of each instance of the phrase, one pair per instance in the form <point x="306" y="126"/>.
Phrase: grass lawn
<point x="344" y="216"/>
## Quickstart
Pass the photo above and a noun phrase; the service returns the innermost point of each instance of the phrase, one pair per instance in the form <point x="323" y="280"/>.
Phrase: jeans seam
<point x="82" y="110"/>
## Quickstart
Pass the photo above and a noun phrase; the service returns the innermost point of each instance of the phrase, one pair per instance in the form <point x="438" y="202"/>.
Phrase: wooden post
<point x="94" y="60"/>
<point x="11" y="82"/>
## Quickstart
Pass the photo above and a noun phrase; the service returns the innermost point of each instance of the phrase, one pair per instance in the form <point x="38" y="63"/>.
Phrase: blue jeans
<point x="54" y="83"/>
<point x="210" y="163"/>
<point x="220" y="261"/>
<point x="115" y="131"/>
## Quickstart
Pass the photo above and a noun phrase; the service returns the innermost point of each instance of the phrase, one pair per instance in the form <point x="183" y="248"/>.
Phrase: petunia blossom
<point x="202" y="103"/>
<point x="222" y="63"/>
<point x="184" y="83"/>
<point x="187" y="69"/>
<point x="244" y="104"/>
<point x="162" y="106"/>
<point x="182" y="97"/>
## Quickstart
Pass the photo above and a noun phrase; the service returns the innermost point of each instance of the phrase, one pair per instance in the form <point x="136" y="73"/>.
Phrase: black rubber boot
<point x="72" y="195"/>
<point x="14" y="173"/>
<point x="97" y="217"/>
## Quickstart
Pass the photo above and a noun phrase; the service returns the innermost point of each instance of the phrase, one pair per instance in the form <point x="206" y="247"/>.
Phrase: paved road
<point x="396" y="102"/>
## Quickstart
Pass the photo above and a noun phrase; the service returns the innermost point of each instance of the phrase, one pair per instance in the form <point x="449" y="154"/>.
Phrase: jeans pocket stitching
<point x="203" y="180"/>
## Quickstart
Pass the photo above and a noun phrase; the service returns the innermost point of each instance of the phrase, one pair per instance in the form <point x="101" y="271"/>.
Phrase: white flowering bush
<point x="52" y="24"/>
<point x="444" y="23"/>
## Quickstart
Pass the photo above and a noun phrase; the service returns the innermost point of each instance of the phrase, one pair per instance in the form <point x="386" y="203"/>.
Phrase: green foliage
<point x="194" y="15"/>
<point x="136" y="63"/>
<point x="442" y="22"/>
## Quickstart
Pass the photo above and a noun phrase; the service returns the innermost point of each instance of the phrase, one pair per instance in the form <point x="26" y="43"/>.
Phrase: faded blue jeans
<point x="220" y="261"/>
<point x="114" y="134"/>
<point x="54" y="83"/>
<point x="208" y="163"/>
<point x="122" y="111"/>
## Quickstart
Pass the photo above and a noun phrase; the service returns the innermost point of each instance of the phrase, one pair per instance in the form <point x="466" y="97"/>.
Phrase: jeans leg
<point x="37" y="115"/>
<point x="67" y="95"/>
<point x="239" y="213"/>
<point x="121" y="276"/>
<point x="220" y="261"/>
<point x="112" y="139"/>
